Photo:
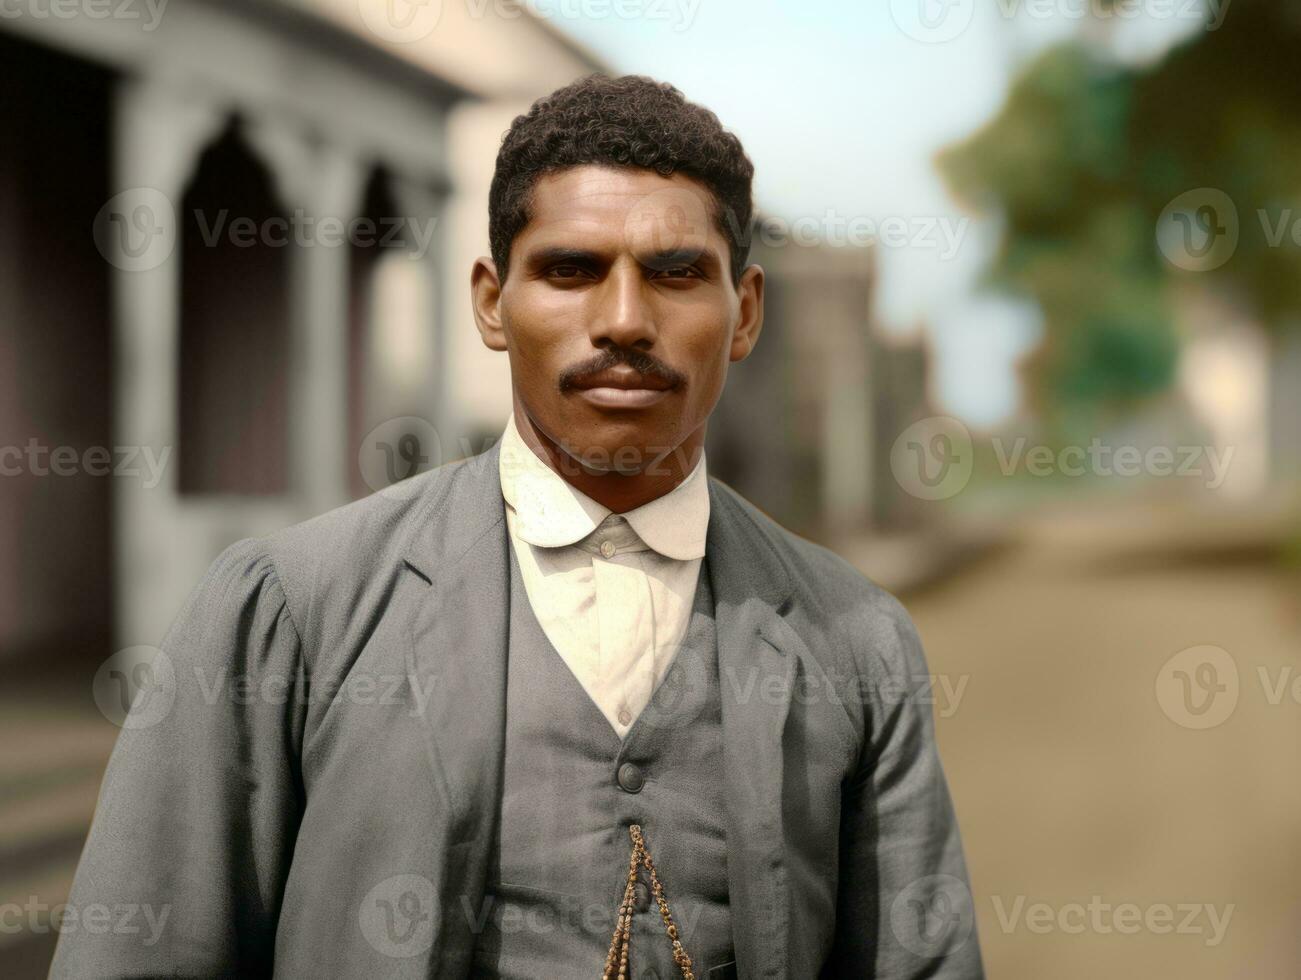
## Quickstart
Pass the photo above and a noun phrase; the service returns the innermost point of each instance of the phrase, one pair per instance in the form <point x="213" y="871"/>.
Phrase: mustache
<point x="611" y="357"/>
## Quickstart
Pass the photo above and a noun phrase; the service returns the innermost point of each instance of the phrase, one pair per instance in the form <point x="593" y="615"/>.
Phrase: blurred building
<point x="235" y="239"/>
<point x="806" y="425"/>
<point x="285" y="197"/>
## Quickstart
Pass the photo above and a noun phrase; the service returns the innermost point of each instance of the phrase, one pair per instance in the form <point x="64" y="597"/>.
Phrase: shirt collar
<point x="550" y="513"/>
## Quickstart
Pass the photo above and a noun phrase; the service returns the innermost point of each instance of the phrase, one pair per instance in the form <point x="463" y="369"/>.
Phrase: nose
<point x="624" y="315"/>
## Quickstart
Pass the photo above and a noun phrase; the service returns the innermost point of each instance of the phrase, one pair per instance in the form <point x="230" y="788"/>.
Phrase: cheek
<point x="709" y="349"/>
<point x="536" y="341"/>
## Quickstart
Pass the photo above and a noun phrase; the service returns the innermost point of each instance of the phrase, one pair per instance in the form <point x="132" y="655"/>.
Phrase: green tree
<point x="1081" y="162"/>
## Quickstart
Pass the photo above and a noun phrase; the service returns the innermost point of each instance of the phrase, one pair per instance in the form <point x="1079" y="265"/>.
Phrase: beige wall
<point x="493" y="48"/>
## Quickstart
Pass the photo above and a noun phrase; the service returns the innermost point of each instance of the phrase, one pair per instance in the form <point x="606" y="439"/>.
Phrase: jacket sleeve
<point x="200" y="805"/>
<point x="904" y="906"/>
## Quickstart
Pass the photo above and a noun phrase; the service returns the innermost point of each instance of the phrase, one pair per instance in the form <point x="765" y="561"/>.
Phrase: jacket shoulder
<point x="860" y="615"/>
<point x="333" y="560"/>
<point x="816" y="572"/>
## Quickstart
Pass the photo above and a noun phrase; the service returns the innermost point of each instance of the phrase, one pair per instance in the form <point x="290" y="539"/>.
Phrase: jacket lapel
<point x="458" y="654"/>
<point x="757" y="661"/>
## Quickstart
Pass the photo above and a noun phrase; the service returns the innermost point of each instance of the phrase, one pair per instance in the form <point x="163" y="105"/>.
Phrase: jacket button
<point x="630" y="778"/>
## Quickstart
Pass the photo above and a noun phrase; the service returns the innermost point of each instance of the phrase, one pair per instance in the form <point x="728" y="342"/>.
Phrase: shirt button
<point x="625" y="716"/>
<point x="630" y="778"/>
<point x="607" y="549"/>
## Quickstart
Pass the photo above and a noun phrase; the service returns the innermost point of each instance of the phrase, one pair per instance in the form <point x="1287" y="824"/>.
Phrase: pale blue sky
<point x="842" y="111"/>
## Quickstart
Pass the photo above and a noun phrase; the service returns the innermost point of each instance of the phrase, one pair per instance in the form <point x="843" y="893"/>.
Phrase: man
<point x="449" y="731"/>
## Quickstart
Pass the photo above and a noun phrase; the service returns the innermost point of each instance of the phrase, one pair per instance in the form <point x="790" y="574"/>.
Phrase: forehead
<point x="615" y="206"/>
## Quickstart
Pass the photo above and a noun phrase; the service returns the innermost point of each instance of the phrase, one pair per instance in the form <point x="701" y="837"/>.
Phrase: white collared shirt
<point x="612" y="592"/>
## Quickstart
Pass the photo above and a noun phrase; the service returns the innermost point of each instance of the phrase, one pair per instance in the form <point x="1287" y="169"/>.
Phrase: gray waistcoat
<point x="570" y="790"/>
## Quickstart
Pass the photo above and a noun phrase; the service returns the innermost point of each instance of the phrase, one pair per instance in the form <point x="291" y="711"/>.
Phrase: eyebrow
<point x="685" y="256"/>
<point x="550" y="255"/>
<point x="554" y="254"/>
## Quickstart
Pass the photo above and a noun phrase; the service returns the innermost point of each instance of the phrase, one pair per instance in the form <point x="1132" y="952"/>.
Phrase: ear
<point x="750" y="322"/>
<point x="485" y="299"/>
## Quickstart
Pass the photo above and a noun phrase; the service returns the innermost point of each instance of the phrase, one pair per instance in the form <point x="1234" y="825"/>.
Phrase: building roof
<point x="486" y="48"/>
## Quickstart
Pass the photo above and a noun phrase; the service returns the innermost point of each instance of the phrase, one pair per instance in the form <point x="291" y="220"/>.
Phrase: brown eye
<point x="677" y="272"/>
<point x="564" y="271"/>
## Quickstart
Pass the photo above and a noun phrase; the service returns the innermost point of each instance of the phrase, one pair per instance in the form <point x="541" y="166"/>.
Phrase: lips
<point x="622" y="388"/>
<point x="624" y="378"/>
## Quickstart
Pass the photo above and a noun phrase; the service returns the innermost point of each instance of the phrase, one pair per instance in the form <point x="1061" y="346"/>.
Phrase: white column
<point x="321" y="187"/>
<point x="847" y="438"/>
<point x="159" y="133"/>
<point x="422" y="203"/>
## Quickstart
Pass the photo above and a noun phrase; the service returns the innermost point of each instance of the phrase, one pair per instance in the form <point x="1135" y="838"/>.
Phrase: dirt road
<point x="1108" y="835"/>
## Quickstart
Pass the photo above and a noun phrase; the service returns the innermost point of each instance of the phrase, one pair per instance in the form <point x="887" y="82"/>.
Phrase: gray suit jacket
<point x="319" y="796"/>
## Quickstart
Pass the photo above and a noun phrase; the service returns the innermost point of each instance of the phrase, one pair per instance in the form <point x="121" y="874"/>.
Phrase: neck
<point x="620" y="492"/>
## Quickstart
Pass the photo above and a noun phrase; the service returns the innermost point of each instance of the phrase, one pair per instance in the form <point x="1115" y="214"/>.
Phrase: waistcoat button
<point x="631" y="778"/>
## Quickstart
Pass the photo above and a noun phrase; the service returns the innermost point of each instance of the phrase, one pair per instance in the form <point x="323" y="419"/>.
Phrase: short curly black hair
<point x="629" y="121"/>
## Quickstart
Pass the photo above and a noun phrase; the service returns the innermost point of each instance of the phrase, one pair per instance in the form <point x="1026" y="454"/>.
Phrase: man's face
<point x="619" y="314"/>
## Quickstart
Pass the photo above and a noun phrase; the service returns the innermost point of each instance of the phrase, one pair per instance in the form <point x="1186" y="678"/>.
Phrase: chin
<point x="625" y="445"/>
